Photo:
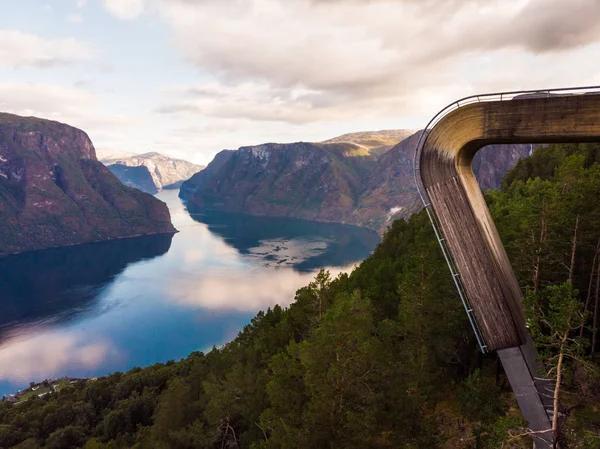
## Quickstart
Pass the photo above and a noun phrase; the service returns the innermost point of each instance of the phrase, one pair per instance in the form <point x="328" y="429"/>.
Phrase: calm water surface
<point x="94" y="309"/>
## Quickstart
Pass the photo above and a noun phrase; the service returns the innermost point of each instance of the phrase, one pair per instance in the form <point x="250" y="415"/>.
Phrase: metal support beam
<point x="531" y="391"/>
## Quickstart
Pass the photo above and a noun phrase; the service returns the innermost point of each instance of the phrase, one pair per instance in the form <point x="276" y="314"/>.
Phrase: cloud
<point x="18" y="49"/>
<point x="43" y="355"/>
<point x="75" y="18"/>
<point x="72" y="105"/>
<point x="254" y="101"/>
<point x="282" y="70"/>
<point x="45" y="100"/>
<point x="124" y="9"/>
<point x="316" y="60"/>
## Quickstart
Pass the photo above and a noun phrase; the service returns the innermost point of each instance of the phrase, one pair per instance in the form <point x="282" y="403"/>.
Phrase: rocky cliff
<point x="302" y="180"/>
<point x="166" y="172"/>
<point x="490" y="165"/>
<point x="342" y="179"/>
<point x="54" y="192"/>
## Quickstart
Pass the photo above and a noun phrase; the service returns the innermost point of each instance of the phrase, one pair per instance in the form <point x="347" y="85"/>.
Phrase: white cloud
<point x="43" y="355"/>
<point x="43" y="99"/>
<point x="74" y="106"/>
<point x="75" y="18"/>
<point x="124" y="9"/>
<point x="320" y="60"/>
<point x="18" y="49"/>
<point x="254" y="101"/>
<point x="283" y="70"/>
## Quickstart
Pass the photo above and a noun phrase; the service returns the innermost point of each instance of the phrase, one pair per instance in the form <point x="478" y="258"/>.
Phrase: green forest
<point x="383" y="357"/>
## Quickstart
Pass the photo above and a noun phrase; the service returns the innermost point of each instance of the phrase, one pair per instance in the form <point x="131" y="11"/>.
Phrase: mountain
<point x="492" y="162"/>
<point x="166" y="172"/>
<point x="375" y="142"/>
<point x="302" y="180"/>
<point x="349" y="179"/>
<point x="136" y="177"/>
<point x="198" y="180"/>
<point x="54" y="192"/>
<point x="389" y="192"/>
<point x="337" y="367"/>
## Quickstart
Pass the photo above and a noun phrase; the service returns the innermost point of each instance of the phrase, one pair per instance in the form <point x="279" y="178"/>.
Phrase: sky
<point x="188" y="78"/>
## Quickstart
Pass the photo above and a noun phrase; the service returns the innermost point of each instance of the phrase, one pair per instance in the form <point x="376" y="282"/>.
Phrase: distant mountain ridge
<point x="349" y="179"/>
<point x="166" y="172"/>
<point x="54" y="192"/>
<point x="375" y="142"/>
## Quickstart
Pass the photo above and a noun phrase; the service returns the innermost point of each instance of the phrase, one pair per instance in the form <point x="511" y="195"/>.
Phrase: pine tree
<point x="553" y="316"/>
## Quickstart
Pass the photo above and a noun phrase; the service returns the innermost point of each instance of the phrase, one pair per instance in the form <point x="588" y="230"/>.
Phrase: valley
<point x="214" y="233"/>
<point x="111" y="306"/>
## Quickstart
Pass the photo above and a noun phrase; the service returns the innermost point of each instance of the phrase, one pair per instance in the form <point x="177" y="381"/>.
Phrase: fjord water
<point x="93" y="309"/>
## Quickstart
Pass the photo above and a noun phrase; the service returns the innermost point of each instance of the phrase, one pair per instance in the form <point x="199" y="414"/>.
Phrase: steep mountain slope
<point x="53" y="191"/>
<point x="345" y="181"/>
<point x="389" y="192"/>
<point x="304" y="180"/>
<point x="493" y="161"/>
<point x="166" y="172"/>
<point x="136" y="177"/>
<point x="197" y="181"/>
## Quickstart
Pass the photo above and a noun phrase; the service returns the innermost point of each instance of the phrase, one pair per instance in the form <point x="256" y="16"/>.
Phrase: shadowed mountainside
<point x="53" y="191"/>
<point x="136" y="177"/>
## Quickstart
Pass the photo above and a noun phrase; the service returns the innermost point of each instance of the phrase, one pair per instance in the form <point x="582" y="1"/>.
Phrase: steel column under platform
<point x="534" y="394"/>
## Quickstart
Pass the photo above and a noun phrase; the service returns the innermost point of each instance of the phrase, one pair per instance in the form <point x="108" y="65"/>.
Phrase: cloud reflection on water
<point x="148" y="300"/>
<point x="243" y="291"/>
<point x="41" y="355"/>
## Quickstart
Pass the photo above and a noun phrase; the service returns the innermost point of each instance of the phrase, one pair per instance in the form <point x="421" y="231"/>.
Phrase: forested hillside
<point x="381" y="358"/>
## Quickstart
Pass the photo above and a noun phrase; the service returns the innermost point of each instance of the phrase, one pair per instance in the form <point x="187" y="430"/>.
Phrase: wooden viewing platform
<point x="484" y="276"/>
